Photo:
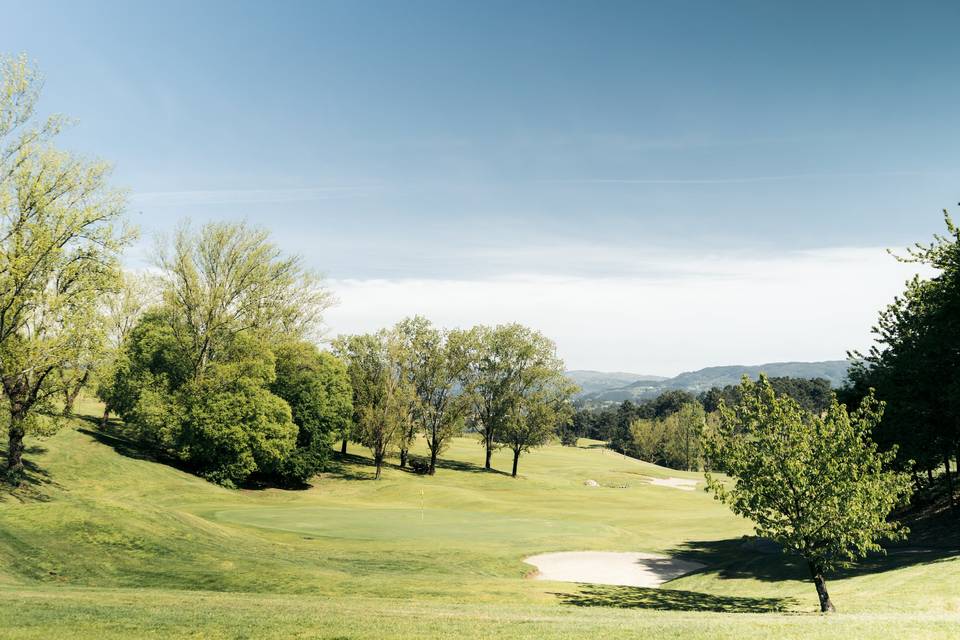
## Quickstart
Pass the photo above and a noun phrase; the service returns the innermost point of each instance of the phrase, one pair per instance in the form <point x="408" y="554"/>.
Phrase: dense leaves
<point x="915" y="364"/>
<point x="815" y="484"/>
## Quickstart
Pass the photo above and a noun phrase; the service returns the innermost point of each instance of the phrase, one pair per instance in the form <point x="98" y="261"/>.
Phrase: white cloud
<point x="672" y="313"/>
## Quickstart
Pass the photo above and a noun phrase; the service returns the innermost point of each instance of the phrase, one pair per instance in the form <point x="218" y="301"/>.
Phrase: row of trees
<point x="212" y="362"/>
<point x="666" y="429"/>
<point x="914" y="364"/>
<point x="505" y="383"/>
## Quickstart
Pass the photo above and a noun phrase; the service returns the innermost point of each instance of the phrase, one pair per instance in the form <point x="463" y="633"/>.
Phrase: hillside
<point x="645" y="387"/>
<point x="594" y="381"/>
<point x="112" y="544"/>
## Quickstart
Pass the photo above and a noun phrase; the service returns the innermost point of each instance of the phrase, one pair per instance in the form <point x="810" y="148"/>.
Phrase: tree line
<point x="666" y="430"/>
<point x="914" y="365"/>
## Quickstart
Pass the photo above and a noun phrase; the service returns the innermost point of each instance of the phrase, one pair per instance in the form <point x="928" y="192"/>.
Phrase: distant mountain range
<point x="604" y="387"/>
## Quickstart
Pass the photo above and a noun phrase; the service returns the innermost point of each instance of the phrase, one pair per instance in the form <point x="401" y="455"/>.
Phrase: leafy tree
<point x="59" y="247"/>
<point x="915" y="363"/>
<point x="194" y="376"/>
<point x="316" y="386"/>
<point x="230" y="279"/>
<point x="538" y="412"/>
<point x="506" y="363"/>
<point x="438" y="360"/>
<point x="231" y="426"/>
<point x="686" y="428"/>
<point x="817" y="485"/>
<point x="382" y="393"/>
<point x="648" y="440"/>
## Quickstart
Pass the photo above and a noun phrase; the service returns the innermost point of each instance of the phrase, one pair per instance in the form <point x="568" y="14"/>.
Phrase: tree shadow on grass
<point x="746" y="557"/>
<point x="31" y="486"/>
<point x="343" y="466"/>
<point x="121" y="440"/>
<point x="469" y="467"/>
<point x="595" y="595"/>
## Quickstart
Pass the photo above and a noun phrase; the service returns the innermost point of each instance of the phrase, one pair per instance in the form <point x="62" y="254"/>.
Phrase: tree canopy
<point x="816" y="484"/>
<point x="60" y="239"/>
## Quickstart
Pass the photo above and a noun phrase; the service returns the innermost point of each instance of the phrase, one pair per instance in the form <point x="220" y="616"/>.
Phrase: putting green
<point x="397" y="524"/>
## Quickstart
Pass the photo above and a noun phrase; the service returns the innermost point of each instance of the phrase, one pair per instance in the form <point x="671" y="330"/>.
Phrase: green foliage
<point x="915" y="363"/>
<point x="538" y="412"/>
<point x="510" y="367"/>
<point x="815" y="484"/>
<point x="673" y="441"/>
<point x="812" y="394"/>
<point x="232" y="426"/>
<point x="59" y="248"/>
<point x="197" y="376"/>
<point x="382" y="390"/>
<point x="228" y="279"/>
<point x="316" y="386"/>
<point x="436" y="362"/>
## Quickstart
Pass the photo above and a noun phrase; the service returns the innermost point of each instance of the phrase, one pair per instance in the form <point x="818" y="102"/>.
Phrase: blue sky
<point x="659" y="186"/>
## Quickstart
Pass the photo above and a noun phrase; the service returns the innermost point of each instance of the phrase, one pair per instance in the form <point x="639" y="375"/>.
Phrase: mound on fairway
<point x="610" y="567"/>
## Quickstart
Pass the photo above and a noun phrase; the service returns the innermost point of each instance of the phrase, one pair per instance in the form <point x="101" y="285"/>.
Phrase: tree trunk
<point x="343" y="446"/>
<point x="946" y="466"/>
<point x="403" y="458"/>
<point x="826" y="606"/>
<point x="433" y="460"/>
<point x="70" y="395"/>
<point x="958" y="461"/>
<point x="378" y="461"/>
<point x="489" y="453"/>
<point x="15" y="446"/>
<point x="106" y="417"/>
<point x="930" y="476"/>
<point x="516" y="460"/>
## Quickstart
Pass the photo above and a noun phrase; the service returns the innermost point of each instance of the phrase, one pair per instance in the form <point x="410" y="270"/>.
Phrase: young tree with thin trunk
<point x="59" y="248"/>
<point x="438" y="359"/>
<point x="815" y="484"/>
<point x="506" y="362"/>
<point x="538" y="414"/>
<point x="382" y="393"/>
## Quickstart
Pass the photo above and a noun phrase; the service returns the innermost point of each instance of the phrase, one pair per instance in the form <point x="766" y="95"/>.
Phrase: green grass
<point x="106" y="544"/>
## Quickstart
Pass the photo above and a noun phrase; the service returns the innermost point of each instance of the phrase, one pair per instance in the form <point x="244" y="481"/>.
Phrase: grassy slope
<point x="116" y="546"/>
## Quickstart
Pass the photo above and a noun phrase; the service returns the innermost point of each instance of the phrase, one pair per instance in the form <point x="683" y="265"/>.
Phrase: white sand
<point x="610" y="567"/>
<point x="675" y="483"/>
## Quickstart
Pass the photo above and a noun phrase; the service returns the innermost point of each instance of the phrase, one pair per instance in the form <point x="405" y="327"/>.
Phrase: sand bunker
<point x="675" y="483"/>
<point x="610" y="567"/>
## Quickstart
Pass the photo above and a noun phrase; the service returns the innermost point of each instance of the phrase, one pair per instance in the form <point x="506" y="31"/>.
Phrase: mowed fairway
<point x="106" y="544"/>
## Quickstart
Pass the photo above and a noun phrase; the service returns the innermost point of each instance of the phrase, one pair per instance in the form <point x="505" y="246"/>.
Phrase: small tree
<point x="537" y="415"/>
<point x="815" y="484"/>
<point x="437" y="361"/>
<point x="381" y="391"/>
<point x="506" y="363"/>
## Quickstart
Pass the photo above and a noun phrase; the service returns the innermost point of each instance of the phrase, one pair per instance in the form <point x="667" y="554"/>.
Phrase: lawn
<point x="107" y="543"/>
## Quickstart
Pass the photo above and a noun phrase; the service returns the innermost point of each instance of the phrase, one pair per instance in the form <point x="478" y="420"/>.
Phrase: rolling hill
<point x="106" y="543"/>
